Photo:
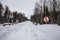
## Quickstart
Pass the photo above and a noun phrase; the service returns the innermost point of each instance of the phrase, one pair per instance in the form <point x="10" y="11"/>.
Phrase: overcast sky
<point x="25" y="6"/>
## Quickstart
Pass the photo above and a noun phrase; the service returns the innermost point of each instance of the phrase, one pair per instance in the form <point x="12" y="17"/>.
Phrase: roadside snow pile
<point x="7" y="29"/>
<point x="29" y="31"/>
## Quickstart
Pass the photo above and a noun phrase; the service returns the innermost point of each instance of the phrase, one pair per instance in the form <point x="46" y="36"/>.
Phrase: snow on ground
<point x="28" y="31"/>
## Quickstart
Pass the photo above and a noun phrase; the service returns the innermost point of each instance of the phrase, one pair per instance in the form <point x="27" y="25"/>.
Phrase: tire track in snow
<point x="36" y="33"/>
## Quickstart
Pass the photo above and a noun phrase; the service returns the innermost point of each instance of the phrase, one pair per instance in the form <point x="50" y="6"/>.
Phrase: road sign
<point x="46" y="19"/>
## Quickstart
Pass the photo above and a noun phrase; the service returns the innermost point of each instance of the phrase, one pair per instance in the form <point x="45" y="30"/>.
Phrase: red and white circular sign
<point x="46" y="19"/>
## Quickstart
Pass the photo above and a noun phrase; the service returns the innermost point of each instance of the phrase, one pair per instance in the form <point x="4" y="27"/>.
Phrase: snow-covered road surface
<point x="28" y="31"/>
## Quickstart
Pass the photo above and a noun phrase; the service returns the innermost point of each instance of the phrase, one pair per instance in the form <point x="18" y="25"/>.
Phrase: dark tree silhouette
<point x="6" y="11"/>
<point x="54" y="12"/>
<point x="15" y="16"/>
<point x="1" y="9"/>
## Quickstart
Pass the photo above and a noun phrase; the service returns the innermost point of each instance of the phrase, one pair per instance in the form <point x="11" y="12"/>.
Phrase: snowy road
<point x="29" y="31"/>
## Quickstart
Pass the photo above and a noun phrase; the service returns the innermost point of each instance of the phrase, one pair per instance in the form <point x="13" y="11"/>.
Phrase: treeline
<point x="42" y="11"/>
<point x="6" y="16"/>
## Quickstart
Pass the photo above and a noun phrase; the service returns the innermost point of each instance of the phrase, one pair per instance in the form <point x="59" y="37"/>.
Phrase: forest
<point x="51" y="11"/>
<point x="6" y="16"/>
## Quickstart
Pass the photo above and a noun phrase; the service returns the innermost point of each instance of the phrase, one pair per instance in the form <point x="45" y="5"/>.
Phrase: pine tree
<point x="6" y="11"/>
<point x="54" y="11"/>
<point x="1" y="9"/>
<point x="15" y="16"/>
<point x="46" y="11"/>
